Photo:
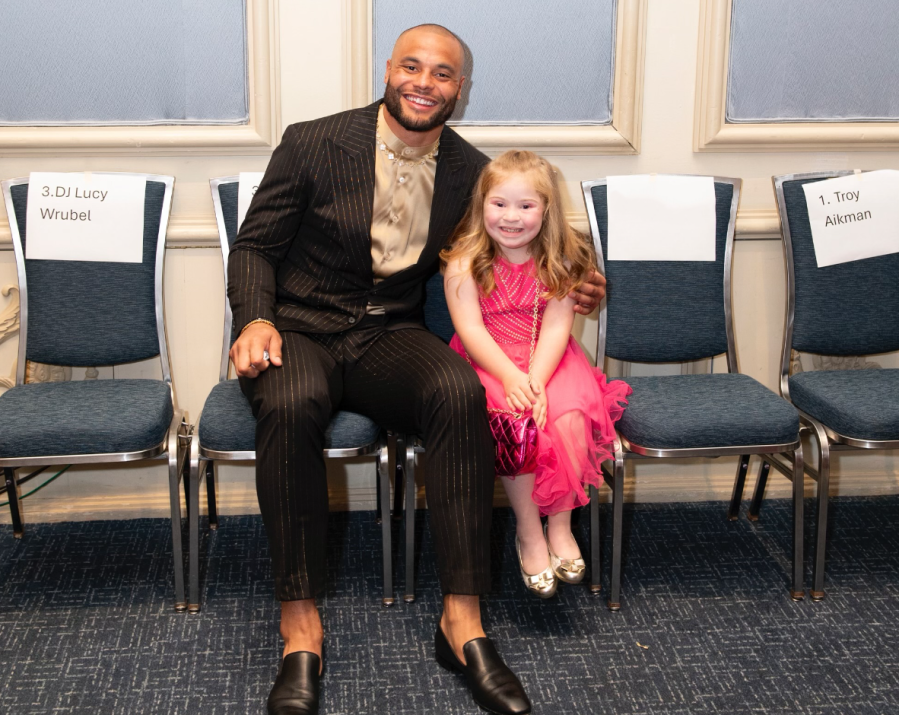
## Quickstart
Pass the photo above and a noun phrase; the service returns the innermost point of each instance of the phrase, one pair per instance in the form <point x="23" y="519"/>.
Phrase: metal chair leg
<point x="409" y="595"/>
<point x="399" y="477"/>
<point x="817" y="591"/>
<point x="617" y="516"/>
<point x="595" y="555"/>
<point x="384" y="465"/>
<point x="174" y="448"/>
<point x="13" y="497"/>
<point x="797" y="592"/>
<point x="210" y="496"/>
<point x="759" y="492"/>
<point x="193" y="526"/>
<point x="733" y="512"/>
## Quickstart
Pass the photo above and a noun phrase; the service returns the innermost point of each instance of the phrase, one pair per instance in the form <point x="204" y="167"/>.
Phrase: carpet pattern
<point x="706" y="626"/>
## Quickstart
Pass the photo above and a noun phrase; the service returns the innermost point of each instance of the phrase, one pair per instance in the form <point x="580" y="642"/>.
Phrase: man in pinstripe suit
<point x="326" y="282"/>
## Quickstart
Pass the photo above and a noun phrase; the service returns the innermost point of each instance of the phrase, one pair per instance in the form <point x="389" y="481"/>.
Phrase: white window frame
<point x="711" y="133"/>
<point x="622" y="136"/>
<point x="255" y="137"/>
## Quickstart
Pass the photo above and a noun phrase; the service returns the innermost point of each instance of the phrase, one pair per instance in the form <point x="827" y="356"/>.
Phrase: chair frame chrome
<point x="827" y="439"/>
<point x="202" y="457"/>
<point x="625" y="450"/>
<point x="170" y="448"/>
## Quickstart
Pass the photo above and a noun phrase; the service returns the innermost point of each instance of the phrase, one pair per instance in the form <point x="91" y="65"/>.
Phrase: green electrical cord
<point x="37" y="489"/>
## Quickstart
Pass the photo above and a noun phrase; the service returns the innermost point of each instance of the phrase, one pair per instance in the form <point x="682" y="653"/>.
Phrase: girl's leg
<point x="558" y="531"/>
<point x="573" y="432"/>
<point x="534" y="555"/>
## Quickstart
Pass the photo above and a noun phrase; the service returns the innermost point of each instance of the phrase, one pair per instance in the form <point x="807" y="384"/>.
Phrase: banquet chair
<point x="226" y="428"/>
<point x="681" y="311"/>
<point x="89" y="314"/>
<point x="844" y="309"/>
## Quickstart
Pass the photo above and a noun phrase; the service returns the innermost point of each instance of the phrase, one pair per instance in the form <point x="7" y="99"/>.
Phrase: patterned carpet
<point x="706" y="624"/>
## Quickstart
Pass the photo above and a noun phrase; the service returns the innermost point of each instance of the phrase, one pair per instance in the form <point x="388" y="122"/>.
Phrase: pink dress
<point x="582" y="406"/>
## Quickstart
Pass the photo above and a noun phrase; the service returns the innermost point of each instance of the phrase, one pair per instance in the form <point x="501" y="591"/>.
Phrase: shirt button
<point x="402" y="179"/>
<point x="351" y="320"/>
<point x="394" y="218"/>
<point x="407" y="151"/>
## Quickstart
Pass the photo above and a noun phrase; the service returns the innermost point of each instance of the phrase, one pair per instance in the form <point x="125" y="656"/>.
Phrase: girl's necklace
<point x="382" y="145"/>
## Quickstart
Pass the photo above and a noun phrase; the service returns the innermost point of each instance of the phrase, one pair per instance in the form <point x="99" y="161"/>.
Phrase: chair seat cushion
<point x="227" y="424"/>
<point x="84" y="417"/>
<point x="693" y="411"/>
<point x="857" y="403"/>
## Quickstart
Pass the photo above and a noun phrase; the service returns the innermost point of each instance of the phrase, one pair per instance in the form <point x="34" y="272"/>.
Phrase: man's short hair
<point x="439" y="29"/>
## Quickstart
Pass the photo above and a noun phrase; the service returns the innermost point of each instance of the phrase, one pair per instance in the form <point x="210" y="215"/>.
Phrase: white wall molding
<point x="712" y="133"/>
<point x="257" y="137"/>
<point x="200" y="231"/>
<point x="751" y="223"/>
<point x="622" y="137"/>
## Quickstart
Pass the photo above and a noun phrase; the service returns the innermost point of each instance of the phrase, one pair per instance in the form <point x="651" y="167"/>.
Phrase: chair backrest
<point x="436" y="311"/>
<point x="666" y="311"/>
<point x="845" y="309"/>
<point x="86" y="313"/>
<point x="224" y="201"/>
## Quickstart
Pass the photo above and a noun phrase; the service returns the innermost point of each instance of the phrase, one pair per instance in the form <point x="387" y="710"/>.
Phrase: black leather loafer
<point x="296" y="688"/>
<point x="493" y="686"/>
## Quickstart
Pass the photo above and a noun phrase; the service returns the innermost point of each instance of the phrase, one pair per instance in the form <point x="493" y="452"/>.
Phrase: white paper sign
<point x="85" y="217"/>
<point x="661" y="218"/>
<point x="246" y="190"/>
<point x="854" y="217"/>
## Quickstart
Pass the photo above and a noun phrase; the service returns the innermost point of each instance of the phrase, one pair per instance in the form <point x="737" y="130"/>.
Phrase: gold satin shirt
<point x="401" y="213"/>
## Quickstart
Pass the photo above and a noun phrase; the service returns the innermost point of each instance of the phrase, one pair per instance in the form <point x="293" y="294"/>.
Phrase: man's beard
<point x="392" y="102"/>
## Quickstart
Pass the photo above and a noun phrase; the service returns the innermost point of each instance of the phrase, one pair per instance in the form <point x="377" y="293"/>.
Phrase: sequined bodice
<point x="509" y="310"/>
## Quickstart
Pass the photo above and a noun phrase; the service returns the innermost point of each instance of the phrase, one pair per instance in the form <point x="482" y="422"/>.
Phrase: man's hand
<point x="588" y="296"/>
<point x="248" y="351"/>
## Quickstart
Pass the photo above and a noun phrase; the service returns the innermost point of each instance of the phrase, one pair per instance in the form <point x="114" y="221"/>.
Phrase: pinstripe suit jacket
<point x="302" y="258"/>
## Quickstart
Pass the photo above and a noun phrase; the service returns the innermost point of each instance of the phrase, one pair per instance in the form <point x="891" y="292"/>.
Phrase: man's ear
<point x="461" y="84"/>
<point x="387" y="73"/>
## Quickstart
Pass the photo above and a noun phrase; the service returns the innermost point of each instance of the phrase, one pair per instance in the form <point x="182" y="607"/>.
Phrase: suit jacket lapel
<point x="353" y="178"/>
<point x="449" y="193"/>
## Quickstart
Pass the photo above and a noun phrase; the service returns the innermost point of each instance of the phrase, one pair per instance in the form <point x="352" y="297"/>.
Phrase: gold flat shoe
<point x="543" y="584"/>
<point x="567" y="570"/>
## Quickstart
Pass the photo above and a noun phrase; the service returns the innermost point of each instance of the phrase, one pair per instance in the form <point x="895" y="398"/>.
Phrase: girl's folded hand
<point x="519" y="395"/>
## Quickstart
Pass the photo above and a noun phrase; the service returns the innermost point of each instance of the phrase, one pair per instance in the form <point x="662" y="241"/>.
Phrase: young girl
<point x="512" y="249"/>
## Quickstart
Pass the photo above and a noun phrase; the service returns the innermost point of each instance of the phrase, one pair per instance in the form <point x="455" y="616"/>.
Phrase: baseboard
<point x="240" y="497"/>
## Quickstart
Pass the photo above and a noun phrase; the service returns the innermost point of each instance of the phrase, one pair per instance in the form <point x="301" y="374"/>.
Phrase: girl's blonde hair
<point x="563" y="257"/>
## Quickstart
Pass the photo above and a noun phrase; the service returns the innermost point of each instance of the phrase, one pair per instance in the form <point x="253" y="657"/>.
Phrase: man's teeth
<point x="422" y="102"/>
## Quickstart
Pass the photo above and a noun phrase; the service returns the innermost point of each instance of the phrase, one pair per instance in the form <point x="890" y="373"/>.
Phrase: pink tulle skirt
<point x="580" y="427"/>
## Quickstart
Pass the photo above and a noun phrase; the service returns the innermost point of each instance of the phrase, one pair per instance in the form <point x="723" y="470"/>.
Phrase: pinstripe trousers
<point x="406" y="380"/>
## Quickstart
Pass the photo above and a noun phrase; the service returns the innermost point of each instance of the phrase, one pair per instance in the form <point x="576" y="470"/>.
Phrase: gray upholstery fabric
<point x="847" y="309"/>
<point x="437" y="317"/>
<point x="856" y="403"/>
<point x="85" y="417"/>
<point x="665" y="311"/>
<point x="227" y="424"/>
<point x="720" y="410"/>
<point x="228" y="199"/>
<point x="86" y="313"/>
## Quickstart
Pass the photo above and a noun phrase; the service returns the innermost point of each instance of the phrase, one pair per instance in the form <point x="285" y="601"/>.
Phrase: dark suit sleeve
<point x="267" y="232"/>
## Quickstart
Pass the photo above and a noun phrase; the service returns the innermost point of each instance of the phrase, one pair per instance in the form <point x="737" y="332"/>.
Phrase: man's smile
<point x="420" y="101"/>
